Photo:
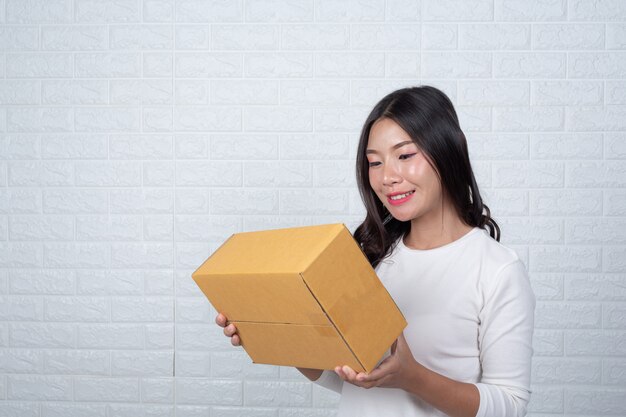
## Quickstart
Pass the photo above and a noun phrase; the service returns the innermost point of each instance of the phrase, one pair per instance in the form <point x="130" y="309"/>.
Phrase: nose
<point x="391" y="175"/>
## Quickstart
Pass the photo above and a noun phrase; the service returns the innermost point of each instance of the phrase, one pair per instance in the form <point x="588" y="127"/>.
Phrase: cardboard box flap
<point x="357" y="307"/>
<point x="282" y="250"/>
<point x="270" y="298"/>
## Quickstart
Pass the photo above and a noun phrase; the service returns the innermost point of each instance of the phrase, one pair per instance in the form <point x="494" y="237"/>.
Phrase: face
<point x="401" y="176"/>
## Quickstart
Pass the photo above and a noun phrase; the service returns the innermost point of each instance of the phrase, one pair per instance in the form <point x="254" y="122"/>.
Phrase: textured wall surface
<point x="136" y="135"/>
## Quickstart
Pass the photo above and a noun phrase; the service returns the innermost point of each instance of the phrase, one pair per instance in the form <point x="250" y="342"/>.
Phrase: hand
<point x="229" y="329"/>
<point x="393" y="372"/>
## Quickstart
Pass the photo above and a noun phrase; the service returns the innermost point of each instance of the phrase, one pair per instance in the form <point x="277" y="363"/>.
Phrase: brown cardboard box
<point x="304" y="296"/>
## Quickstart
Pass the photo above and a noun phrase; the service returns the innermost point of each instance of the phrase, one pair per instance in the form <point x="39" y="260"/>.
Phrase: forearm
<point x="312" y="374"/>
<point x="456" y="399"/>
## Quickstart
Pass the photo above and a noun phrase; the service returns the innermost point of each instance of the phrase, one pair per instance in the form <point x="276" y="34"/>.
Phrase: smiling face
<point x="401" y="175"/>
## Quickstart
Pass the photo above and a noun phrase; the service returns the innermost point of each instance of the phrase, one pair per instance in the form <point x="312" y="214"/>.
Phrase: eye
<point x="407" y="155"/>
<point x="373" y="164"/>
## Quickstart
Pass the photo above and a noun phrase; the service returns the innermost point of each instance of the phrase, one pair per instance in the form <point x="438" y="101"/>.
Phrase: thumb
<point x="401" y="344"/>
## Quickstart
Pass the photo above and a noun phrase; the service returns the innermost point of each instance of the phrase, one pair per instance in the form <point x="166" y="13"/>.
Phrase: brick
<point x="194" y="310"/>
<point x="279" y="65"/>
<point x="74" y="38"/>
<point x="574" y="36"/>
<point x="38" y="11"/>
<point x="106" y="389"/>
<point x="566" y="371"/>
<point x="258" y="223"/>
<point x="385" y="36"/>
<point x="614" y="258"/>
<point x="75" y="200"/>
<point x="159" y="336"/>
<point x="205" y="118"/>
<point x="245" y="92"/>
<point x="107" y="119"/>
<point x="595" y="231"/>
<point x="142" y="255"/>
<point x="36" y="173"/>
<point x="489" y="146"/>
<point x="614" y="371"/>
<point x="107" y="65"/>
<point x="74" y="92"/>
<point x="566" y="202"/>
<point x="213" y="173"/>
<point x="614" y="316"/>
<point x="125" y="146"/>
<point x="315" y="37"/>
<point x="595" y="174"/>
<point x="595" y="343"/>
<point x="492" y="36"/>
<point x="157" y="119"/>
<point x="158" y="10"/>
<point x="439" y="36"/>
<point x="20" y="147"/>
<point x="76" y="255"/>
<point x="158" y="228"/>
<point x="615" y="202"/>
<point x="40" y="119"/>
<point x="596" y="118"/>
<point x="529" y="65"/>
<point x="191" y="92"/>
<point x="567" y="93"/>
<point x="194" y="391"/>
<point x="315" y="93"/>
<point x="193" y="364"/>
<point x="19" y="38"/>
<point x="41" y="281"/>
<point x="597" y="10"/>
<point x="603" y="65"/>
<point x="534" y="174"/>
<point x="110" y="336"/>
<point x="494" y="93"/>
<point x="350" y="65"/>
<point x="42" y="335"/>
<point x="548" y="342"/>
<point x="401" y="65"/>
<point x="615" y="35"/>
<point x="212" y="11"/>
<point x="277" y="174"/>
<point x="158" y="64"/>
<point x="108" y="174"/>
<point x="349" y="11"/>
<point x="306" y="412"/>
<point x="19" y="409"/>
<point x="192" y="37"/>
<point x="238" y="365"/>
<point x="157" y="390"/>
<point x="565" y="258"/>
<point x="325" y="398"/>
<point x="39" y="388"/>
<point x="566" y="146"/>
<point x="315" y="201"/>
<point x="599" y="400"/>
<point x="536" y="118"/>
<point x="459" y="10"/>
<point x="281" y="394"/>
<point x="339" y="119"/>
<point x="548" y="286"/>
<point x="456" y="64"/>
<point x="107" y="228"/>
<point x="534" y="10"/>
<point x="247" y="411"/>
<point x="278" y="118"/>
<point x="333" y="174"/>
<point x="130" y="410"/>
<point x="20" y="92"/>
<point x="107" y="11"/>
<point x="21" y="255"/>
<point x="72" y="410"/>
<point x="46" y="227"/>
<point x="149" y="309"/>
<point x="244" y="201"/>
<point x="531" y="231"/>
<point x="546" y="399"/>
<point x="142" y="363"/>
<point x="21" y="308"/>
<point x="158" y="174"/>
<point x="615" y="92"/>
<point x="142" y="201"/>
<point x="22" y="361"/>
<point x="208" y="65"/>
<point x="596" y="287"/>
<point x="192" y="201"/>
<point x="76" y="362"/>
<point x="403" y="11"/>
<point x="314" y="146"/>
<point x="135" y="36"/>
<point x="251" y="37"/>
<point x="552" y="315"/>
<point x="141" y="92"/>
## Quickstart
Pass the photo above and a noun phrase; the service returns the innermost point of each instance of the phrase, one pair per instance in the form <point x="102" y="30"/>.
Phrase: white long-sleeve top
<point x="470" y="313"/>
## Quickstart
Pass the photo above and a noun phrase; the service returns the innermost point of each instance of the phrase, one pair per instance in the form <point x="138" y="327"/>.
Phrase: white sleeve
<point x="330" y="380"/>
<point x="505" y="340"/>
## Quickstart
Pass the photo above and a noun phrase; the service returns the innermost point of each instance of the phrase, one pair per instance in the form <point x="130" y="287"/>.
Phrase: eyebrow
<point x="396" y="146"/>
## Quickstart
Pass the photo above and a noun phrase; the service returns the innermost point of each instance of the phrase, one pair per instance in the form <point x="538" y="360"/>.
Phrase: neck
<point x="433" y="233"/>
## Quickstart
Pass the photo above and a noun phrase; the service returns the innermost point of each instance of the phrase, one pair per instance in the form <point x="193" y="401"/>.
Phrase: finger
<point x="340" y="373"/>
<point x="230" y="330"/>
<point x="235" y="340"/>
<point x="385" y="368"/>
<point x="349" y="372"/>
<point x="221" y="320"/>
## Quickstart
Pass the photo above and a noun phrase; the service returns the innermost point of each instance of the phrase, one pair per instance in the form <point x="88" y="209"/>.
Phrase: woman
<point x="467" y="299"/>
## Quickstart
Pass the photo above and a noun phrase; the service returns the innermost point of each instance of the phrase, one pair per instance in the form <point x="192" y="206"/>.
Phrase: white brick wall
<point x="137" y="135"/>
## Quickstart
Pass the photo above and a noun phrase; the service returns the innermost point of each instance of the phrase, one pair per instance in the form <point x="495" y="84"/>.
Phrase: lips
<point x="399" y="198"/>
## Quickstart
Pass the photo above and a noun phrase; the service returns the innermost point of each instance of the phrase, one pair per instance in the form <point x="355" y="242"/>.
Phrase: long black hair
<point x="429" y="118"/>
